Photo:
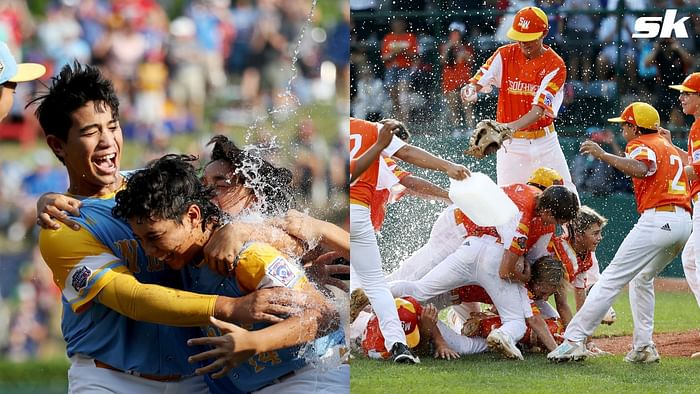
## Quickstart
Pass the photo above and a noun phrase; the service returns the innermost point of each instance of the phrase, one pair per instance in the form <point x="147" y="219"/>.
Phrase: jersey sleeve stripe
<point x="88" y="277"/>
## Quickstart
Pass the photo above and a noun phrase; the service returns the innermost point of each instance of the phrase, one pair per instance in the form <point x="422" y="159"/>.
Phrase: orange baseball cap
<point x="639" y="114"/>
<point x="529" y="24"/>
<point x="690" y="84"/>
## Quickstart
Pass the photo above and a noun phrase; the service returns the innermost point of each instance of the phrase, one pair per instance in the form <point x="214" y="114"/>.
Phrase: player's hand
<point x="386" y="133"/>
<point x="445" y="352"/>
<point x="225" y="244"/>
<point x="666" y="133"/>
<point x="234" y="346"/>
<point x="320" y="270"/>
<point x="299" y="225"/>
<point x="468" y="94"/>
<point x="458" y="171"/>
<point x="591" y="148"/>
<point x="52" y="208"/>
<point x="269" y="305"/>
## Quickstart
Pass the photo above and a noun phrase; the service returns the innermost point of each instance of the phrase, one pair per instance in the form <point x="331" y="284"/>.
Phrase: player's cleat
<point x="568" y="351"/>
<point x="401" y="354"/>
<point x="695" y="356"/>
<point x="609" y="317"/>
<point x="502" y="343"/>
<point x="646" y="354"/>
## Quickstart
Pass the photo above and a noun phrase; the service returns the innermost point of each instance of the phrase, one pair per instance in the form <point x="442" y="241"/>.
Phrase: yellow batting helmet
<point x="545" y="177"/>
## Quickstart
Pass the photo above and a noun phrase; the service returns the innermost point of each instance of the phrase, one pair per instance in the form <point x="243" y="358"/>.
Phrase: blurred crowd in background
<point x="235" y="67"/>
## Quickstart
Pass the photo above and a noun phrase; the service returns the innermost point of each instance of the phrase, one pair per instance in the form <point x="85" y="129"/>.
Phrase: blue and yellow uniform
<point x="259" y="266"/>
<point x="83" y="262"/>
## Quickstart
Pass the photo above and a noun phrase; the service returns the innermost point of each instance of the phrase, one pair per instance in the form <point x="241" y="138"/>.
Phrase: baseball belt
<point x="157" y="378"/>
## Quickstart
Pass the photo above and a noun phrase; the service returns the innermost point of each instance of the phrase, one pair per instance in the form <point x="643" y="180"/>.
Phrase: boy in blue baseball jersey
<point x="171" y="213"/>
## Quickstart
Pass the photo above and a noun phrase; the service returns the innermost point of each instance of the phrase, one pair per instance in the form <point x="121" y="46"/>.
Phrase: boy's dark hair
<point x="71" y="89"/>
<point x="165" y="189"/>
<point x="560" y="201"/>
<point x="642" y="130"/>
<point x="547" y="270"/>
<point x="271" y="185"/>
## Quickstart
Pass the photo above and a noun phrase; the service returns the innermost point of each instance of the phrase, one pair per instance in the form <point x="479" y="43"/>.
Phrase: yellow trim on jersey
<point x="260" y="265"/>
<point x="81" y="265"/>
<point x="553" y="86"/>
<point x="156" y="304"/>
<point x="523" y="228"/>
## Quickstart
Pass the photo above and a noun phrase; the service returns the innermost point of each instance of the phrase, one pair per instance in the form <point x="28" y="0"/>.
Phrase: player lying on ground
<point x="660" y="190"/>
<point x="425" y="333"/>
<point x="171" y="213"/>
<point x="490" y="257"/>
<point x="546" y="278"/>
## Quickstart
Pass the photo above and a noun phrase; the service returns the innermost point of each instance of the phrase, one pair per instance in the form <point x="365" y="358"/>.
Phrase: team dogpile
<point x="496" y="281"/>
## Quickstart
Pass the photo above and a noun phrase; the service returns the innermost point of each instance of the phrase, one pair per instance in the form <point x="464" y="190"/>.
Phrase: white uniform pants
<point x="445" y="237"/>
<point x="649" y="247"/>
<point x="691" y="255"/>
<point x="335" y="380"/>
<point x="366" y="273"/>
<point x="519" y="157"/>
<point x="85" y="377"/>
<point x="475" y="262"/>
<point x="461" y="344"/>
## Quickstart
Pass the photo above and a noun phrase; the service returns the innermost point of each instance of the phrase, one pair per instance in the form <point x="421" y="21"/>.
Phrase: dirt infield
<point x="681" y="344"/>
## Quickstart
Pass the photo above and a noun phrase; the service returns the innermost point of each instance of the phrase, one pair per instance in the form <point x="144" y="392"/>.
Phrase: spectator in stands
<point x="579" y="31"/>
<point x="371" y="101"/>
<point x="594" y="176"/>
<point x="672" y="62"/>
<point x="399" y="51"/>
<point x="457" y="58"/>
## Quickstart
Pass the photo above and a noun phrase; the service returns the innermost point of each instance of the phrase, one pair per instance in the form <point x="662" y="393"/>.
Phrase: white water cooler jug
<point x="484" y="202"/>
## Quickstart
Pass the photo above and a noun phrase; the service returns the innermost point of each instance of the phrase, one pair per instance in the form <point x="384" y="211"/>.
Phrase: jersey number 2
<point x="676" y="187"/>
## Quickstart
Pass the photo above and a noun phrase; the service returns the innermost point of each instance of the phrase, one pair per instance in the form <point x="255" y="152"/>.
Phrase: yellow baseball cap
<point x="545" y="177"/>
<point x="690" y="84"/>
<point x="409" y="311"/>
<point x="639" y="114"/>
<point x="529" y="24"/>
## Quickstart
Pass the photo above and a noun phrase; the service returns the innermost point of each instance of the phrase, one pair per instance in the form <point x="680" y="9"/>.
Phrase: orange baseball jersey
<point x="476" y="293"/>
<point x="523" y="83"/>
<point x="575" y="266"/>
<point x="381" y="197"/>
<point x="456" y="75"/>
<point x="665" y="182"/>
<point x="529" y="228"/>
<point x="363" y="135"/>
<point x="694" y="155"/>
<point x="409" y="313"/>
<point x="405" y="40"/>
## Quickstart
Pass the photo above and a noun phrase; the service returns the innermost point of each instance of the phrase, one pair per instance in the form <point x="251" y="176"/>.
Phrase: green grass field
<point x="489" y="373"/>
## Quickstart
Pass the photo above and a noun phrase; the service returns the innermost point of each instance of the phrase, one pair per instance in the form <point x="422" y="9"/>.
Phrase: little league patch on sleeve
<point x="80" y="278"/>
<point x="281" y="270"/>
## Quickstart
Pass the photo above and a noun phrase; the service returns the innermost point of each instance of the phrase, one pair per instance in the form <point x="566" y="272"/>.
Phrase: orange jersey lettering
<point x="665" y="182"/>
<point x="523" y="83"/>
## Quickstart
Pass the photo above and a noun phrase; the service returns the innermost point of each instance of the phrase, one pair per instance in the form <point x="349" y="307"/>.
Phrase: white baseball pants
<point x="445" y="237"/>
<point x="366" y="272"/>
<point x="691" y="255"/>
<point x="651" y="245"/>
<point x="475" y="262"/>
<point x="311" y="379"/>
<point x="461" y="344"/>
<point x="519" y="157"/>
<point x="85" y="377"/>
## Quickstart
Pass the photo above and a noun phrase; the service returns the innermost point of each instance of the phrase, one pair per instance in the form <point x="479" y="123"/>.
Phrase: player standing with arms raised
<point x="657" y="237"/>
<point x="365" y="260"/>
<point x="529" y="76"/>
